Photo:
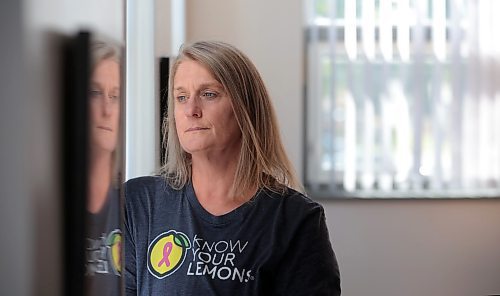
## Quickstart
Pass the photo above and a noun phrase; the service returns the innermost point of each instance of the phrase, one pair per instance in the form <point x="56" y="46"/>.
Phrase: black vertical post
<point x="164" y="75"/>
<point x="76" y="70"/>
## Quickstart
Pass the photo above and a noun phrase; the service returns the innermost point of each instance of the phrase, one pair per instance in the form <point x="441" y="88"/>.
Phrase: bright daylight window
<point x="403" y="98"/>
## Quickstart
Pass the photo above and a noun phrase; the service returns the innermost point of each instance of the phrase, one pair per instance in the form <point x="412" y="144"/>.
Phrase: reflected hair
<point x="101" y="50"/>
<point x="262" y="161"/>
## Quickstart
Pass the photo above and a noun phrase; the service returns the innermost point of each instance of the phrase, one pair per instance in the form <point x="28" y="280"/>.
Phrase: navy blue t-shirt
<point x="271" y="245"/>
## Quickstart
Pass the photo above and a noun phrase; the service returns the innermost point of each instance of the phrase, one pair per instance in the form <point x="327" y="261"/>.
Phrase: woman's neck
<point x="213" y="180"/>
<point x="99" y="181"/>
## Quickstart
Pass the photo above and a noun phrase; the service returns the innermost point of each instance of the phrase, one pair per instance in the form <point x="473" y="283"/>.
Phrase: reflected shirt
<point x="103" y="243"/>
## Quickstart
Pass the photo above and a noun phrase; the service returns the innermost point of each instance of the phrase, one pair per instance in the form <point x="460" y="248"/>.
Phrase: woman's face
<point x="203" y="112"/>
<point x="105" y="105"/>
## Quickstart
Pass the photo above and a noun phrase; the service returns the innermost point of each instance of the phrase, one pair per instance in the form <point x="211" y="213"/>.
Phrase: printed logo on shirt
<point x="115" y="250"/>
<point x="103" y="255"/>
<point x="167" y="253"/>
<point x="220" y="260"/>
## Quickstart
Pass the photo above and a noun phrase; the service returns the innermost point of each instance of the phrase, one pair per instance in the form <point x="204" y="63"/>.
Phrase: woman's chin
<point x="105" y="147"/>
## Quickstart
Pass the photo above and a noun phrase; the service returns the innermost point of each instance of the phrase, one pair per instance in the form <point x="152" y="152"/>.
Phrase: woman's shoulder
<point x="146" y="186"/>
<point x="144" y="183"/>
<point x="294" y="202"/>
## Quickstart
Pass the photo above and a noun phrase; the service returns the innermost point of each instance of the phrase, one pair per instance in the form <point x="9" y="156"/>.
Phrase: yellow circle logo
<point x="114" y="243"/>
<point x="167" y="253"/>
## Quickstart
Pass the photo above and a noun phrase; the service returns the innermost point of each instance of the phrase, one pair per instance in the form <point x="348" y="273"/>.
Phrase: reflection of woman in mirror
<point x="103" y="235"/>
<point x="104" y="122"/>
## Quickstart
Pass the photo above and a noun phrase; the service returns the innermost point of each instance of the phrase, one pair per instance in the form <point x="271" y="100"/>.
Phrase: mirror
<point x="93" y="164"/>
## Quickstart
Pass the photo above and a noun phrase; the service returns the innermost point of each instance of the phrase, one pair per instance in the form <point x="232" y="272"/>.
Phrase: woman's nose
<point x="107" y="101"/>
<point x="193" y="108"/>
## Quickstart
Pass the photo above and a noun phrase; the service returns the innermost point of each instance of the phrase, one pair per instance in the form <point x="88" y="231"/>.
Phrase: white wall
<point x="384" y="247"/>
<point x="417" y="247"/>
<point x="30" y="113"/>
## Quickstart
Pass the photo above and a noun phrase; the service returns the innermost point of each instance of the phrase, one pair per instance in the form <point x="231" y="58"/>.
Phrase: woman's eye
<point x="181" y="98"/>
<point x="209" y="95"/>
<point x="95" y="93"/>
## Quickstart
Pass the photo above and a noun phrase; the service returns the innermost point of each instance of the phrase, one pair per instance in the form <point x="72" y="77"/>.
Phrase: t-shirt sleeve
<point x="130" y="262"/>
<point x="311" y="267"/>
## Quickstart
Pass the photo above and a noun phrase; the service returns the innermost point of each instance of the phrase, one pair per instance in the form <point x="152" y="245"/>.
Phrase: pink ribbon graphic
<point x="167" y="248"/>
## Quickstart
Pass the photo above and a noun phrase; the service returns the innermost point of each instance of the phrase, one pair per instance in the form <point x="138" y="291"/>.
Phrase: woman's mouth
<point x="105" y="128"/>
<point x="197" y="128"/>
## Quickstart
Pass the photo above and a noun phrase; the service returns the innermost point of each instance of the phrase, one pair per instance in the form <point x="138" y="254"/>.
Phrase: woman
<point x="223" y="218"/>
<point x="102" y="228"/>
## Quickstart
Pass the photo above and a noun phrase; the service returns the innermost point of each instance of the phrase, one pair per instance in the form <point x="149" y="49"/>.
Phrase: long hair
<point x="262" y="160"/>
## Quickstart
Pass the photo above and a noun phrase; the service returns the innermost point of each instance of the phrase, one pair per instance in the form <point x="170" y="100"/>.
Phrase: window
<point x="403" y="98"/>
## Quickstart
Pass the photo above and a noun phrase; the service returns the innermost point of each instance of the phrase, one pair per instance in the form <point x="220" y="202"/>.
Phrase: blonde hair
<point x="262" y="161"/>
